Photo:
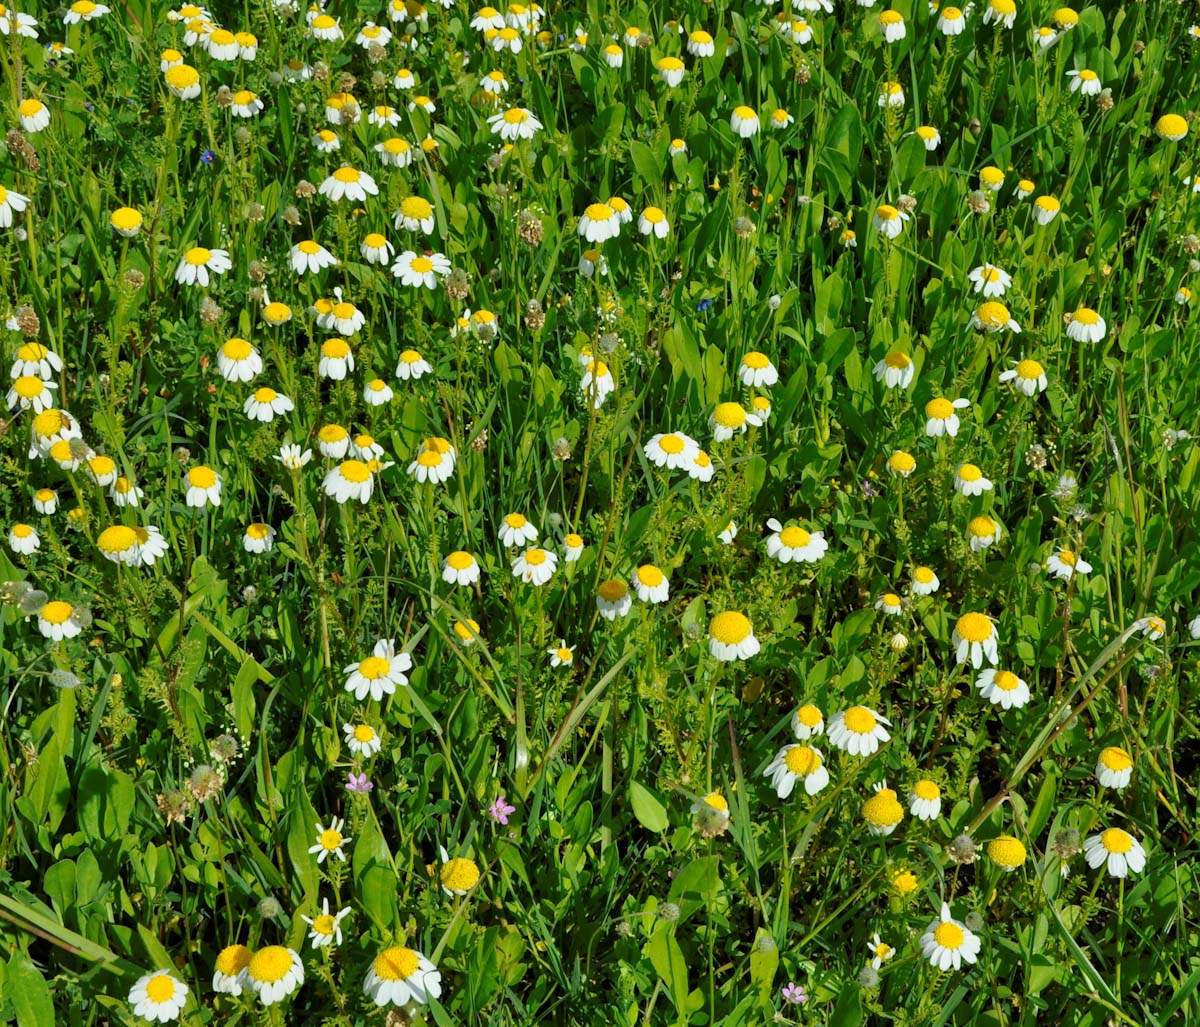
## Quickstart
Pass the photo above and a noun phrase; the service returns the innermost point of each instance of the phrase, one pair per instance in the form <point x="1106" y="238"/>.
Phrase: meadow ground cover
<point x="599" y="514"/>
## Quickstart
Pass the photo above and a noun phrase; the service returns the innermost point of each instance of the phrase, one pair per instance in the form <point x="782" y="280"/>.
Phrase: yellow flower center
<point x="744" y="113"/>
<point x="265" y="395"/>
<point x="939" y="409"/>
<point x="1087" y="75"/>
<point x="1006" y="681"/>
<point x="373" y="668"/>
<point x="460" y="560"/>
<point x="271" y="964"/>
<point x="336" y="348"/>
<point x="671" y="444"/>
<point x="324" y="924"/>
<point x="951" y="13"/>
<point x="882" y="809"/>
<point x="1086" y="316"/>
<point x="514" y="116"/>
<point x="364" y="733"/>
<point x="598" y="212"/>
<point x="901" y="461"/>
<point x="125" y="218"/>
<point x="969" y="472"/>
<point x="729" y="415"/>
<point x="346" y="175"/>
<point x="1006" y="851"/>
<point x="344" y="311"/>
<point x="182" y="76"/>
<point x="904" y="882"/>
<point x="1030" y="370"/>
<point x="396" y="964"/>
<point x="198" y="256"/>
<point x="24" y="531"/>
<point x="375" y="241"/>
<point x="654" y="215"/>
<point x="323" y="21"/>
<point x="926" y="789"/>
<point x="794" y="537"/>
<point x="717" y="801"/>
<point x="949" y="935"/>
<point x="886" y="212"/>
<point x="730" y="627"/>
<point x="277" y="311"/>
<point x="28" y="386"/>
<point x="891" y="18"/>
<point x="613" y="590"/>
<point x="1171" y="125"/>
<point x="56" y="612"/>
<point x="650" y="576"/>
<point x="422" y="265"/>
<point x="802" y="760"/>
<point x="982" y="527"/>
<point x="924" y="575"/>
<point x="202" y="477"/>
<point x="258" y="530"/>
<point x="535" y="557"/>
<point x="1047" y="203"/>
<point x="890" y="599"/>
<point x="515" y="520"/>
<point x="330" y="839"/>
<point x="233" y="959"/>
<point x="860" y="720"/>
<point x="460" y="874"/>
<point x="1116" y="759"/>
<point x="1116" y="840"/>
<point x="700" y="36"/>
<point x="897" y="361"/>
<point x="116" y="539"/>
<point x="808" y="715"/>
<point x="991" y="175"/>
<point x="1067" y="557"/>
<point x="574" y="541"/>
<point x="974" y="627"/>
<point x="992" y="314"/>
<point x="565" y="655"/>
<point x="160" y="989"/>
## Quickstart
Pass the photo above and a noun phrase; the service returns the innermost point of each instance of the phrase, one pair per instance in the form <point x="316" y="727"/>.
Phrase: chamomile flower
<point x="402" y="976"/>
<point x="203" y="486"/>
<point x="794" y="544"/>
<point x="858" y="730"/>
<point x="701" y="468"/>
<point x="275" y="313"/>
<point x="1116" y="849"/>
<point x="183" y="81"/>
<point x="377" y="393"/>
<point x="990" y="280"/>
<point x="101" y="469"/>
<point x="151" y="546"/>
<point x="728" y="534"/>
<point x="1045" y="209"/>
<point x="731" y="637"/>
<point x="434" y="461"/>
<point x="274" y="972"/>
<point x="340" y="315"/>
<point x="889" y="220"/>
<point x="757" y="371"/>
<point x="561" y="655"/>
<point x="925" y="800"/>
<point x="494" y="84"/>
<point x="333" y="441"/>
<point x="1151" y="627"/>
<point x="32" y="358"/>
<point x="1026" y="375"/>
<point x="901" y="463"/>
<point x="1114" y="768"/>
<point x="951" y="21"/>
<point x="924" y="581"/>
<point x="325" y="28"/>
<point x="124" y="492"/>
<point x="58" y="619"/>
<point x="730" y="419"/>
<point x="158" y="997"/>
<point x="265" y="404"/>
<point x="597" y="383"/>
<point x="1064" y="564"/>
<point x="30" y="392"/>
<point x="348" y="183"/>
<point x="535" y="566"/>
<point x="892" y="95"/>
<point x="1086" y="326"/>
<point x="807" y="722"/>
<point x="487" y="18"/>
<point x="889" y="603"/>
<point x="744" y="122"/>
<point x="1172" y="127"/>
<point x="983" y="531"/>
<point x="326" y="927"/>
<point x="420" y="270"/>
<point x="797" y="763"/>
<point x="1193" y="625"/>
<point x="21" y="24"/>
<point x="362" y="740"/>
<point x="1085" y="81"/>
<point x="946" y="942"/>
<point x="891" y="26"/>
<point x="380" y="673"/>
<point x="227" y="971"/>
<point x="1007" y="852"/>
<point x="23" y="539"/>
<point x="599" y="223"/>
<point x="246" y="104"/>
<point x="880" y="951"/>
<point x="309" y="257"/>
<point x="1002" y="688"/>
<point x="590" y="261"/>
<point x="514" y="124"/>
<point x="653" y="221"/>
<point x="33" y="115"/>
<point x="781" y="119"/>
<point x="941" y="417"/>
<point x="572" y="547"/>
<point x="412" y="366"/>
<point x="258" y="538"/>
<point x="198" y="262"/>
<point x="651" y="584"/>
<point x="992" y="316"/>
<point x="515" y="530"/>
<point x="10" y="202"/>
<point x="673" y="450"/>
<point x="118" y="543"/>
<point x="700" y="44"/>
<point x="882" y="811"/>
<point x="337" y="359"/>
<point x="613" y="599"/>
<point x="896" y="370"/>
<point x="930" y="136"/>
<point x="351" y="479"/>
<point x="382" y="114"/>
<point x="974" y="638"/>
<point x="969" y="481"/>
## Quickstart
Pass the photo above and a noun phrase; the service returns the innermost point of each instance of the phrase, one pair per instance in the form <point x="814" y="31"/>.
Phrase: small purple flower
<point x="359" y="784"/>
<point x="869" y="488"/>
<point x="794" y="994"/>
<point x="704" y="305"/>
<point x="208" y="156"/>
<point x="500" y="809"/>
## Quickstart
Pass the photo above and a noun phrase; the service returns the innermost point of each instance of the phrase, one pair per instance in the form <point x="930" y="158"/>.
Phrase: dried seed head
<point x="134" y="278"/>
<point x="978" y="202"/>
<point x="27" y="321"/>
<point x="906" y="204"/>
<point x="205" y="783"/>
<point x="257" y="272"/>
<point x="962" y="849"/>
<point x="291" y="215"/>
<point x="458" y="285"/>
<point x="224" y="97"/>
<point x="305" y="190"/>
<point x="529" y="227"/>
<point x="174" y="805"/>
<point x="743" y="228"/>
<point x="562" y="449"/>
<point x="210" y="313"/>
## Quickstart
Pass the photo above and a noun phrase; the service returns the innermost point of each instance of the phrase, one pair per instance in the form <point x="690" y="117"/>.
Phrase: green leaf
<point x="29" y="993"/>
<point x="668" y="960"/>
<point x="651" y="813"/>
